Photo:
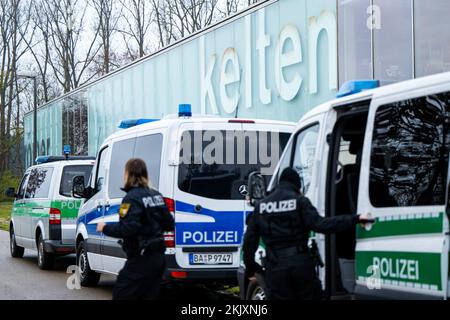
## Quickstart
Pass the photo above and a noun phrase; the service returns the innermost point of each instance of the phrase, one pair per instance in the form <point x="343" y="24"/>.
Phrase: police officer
<point x="284" y="221"/>
<point x="143" y="219"/>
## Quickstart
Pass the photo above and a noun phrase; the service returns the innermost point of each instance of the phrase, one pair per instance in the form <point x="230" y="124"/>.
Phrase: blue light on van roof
<point x="185" y="110"/>
<point x="42" y="159"/>
<point x="353" y="87"/>
<point x="67" y="150"/>
<point x="126" y="124"/>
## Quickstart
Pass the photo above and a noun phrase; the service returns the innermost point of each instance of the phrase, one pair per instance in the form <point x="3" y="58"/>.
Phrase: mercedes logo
<point x="243" y="190"/>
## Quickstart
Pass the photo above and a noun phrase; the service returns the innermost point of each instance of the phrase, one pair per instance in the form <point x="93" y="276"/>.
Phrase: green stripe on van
<point x="390" y="226"/>
<point x="69" y="208"/>
<point x="414" y="270"/>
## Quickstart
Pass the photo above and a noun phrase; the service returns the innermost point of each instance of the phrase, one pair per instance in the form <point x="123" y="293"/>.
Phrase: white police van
<point x="382" y="152"/>
<point x="44" y="213"/>
<point x="201" y="166"/>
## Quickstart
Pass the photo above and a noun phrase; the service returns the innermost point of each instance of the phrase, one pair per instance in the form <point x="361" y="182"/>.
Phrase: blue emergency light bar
<point x="126" y="124"/>
<point x="185" y="110"/>
<point x="353" y="87"/>
<point x="49" y="159"/>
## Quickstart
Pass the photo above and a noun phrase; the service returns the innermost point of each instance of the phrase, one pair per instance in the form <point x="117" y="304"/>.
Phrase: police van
<point x="44" y="213"/>
<point x="383" y="152"/>
<point x="201" y="166"/>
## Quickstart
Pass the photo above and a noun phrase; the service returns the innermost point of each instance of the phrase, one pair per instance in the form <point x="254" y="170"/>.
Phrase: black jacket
<point x="285" y="219"/>
<point x="143" y="217"/>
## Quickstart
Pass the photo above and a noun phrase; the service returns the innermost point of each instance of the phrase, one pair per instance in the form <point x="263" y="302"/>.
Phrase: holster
<point x="151" y="245"/>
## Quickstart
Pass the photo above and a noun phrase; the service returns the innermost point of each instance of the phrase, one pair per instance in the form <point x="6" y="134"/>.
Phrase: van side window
<point x="122" y="151"/>
<point x="39" y="183"/>
<point x="101" y="169"/>
<point x="23" y="186"/>
<point x="305" y="153"/>
<point x="410" y="152"/>
<point x="149" y="149"/>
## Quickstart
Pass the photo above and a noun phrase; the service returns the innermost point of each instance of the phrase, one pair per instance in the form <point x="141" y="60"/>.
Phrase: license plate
<point x="210" y="258"/>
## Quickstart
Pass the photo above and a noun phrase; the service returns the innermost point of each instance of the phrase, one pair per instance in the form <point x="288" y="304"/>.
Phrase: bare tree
<point x="14" y="19"/>
<point x="67" y="21"/>
<point x="107" y="18"/>
<point x="136" y="22"/>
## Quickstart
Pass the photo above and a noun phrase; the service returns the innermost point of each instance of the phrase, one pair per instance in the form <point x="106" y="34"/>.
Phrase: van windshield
<point x="70" y="172"/>
<point x="216" y="164"/>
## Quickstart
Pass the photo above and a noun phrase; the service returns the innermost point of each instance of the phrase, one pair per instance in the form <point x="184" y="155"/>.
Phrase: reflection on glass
<point x="410" y="151"/>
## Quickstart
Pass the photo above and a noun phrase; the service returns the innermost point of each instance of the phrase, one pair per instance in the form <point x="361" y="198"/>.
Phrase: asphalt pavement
<point x="21" y="279"/>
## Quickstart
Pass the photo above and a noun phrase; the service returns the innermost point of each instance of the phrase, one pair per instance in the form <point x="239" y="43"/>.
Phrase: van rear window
<point x="216" y="164"/>
<point x="70" y="172"/>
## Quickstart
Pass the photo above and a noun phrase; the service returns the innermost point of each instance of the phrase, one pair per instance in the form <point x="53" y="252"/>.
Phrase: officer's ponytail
<point x="136" y="174"/>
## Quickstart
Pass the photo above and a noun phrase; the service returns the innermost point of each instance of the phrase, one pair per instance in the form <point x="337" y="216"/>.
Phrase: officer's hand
<point x="252" y="278"/>
<point x="100" y="226"/>
<point x="364" y="219"/>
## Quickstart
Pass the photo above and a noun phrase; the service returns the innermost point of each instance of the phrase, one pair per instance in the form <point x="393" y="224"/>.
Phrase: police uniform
<point x="143" y="219"/>
<point x="284" y="221"/>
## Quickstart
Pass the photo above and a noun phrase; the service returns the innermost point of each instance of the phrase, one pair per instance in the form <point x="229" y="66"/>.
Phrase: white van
<point x="44" y="214"/>
<point x="205" y="194"/>
<point x="383" y="152"/>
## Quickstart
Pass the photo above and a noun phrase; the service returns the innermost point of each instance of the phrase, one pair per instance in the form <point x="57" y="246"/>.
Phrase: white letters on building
<point x="288" y="90"/>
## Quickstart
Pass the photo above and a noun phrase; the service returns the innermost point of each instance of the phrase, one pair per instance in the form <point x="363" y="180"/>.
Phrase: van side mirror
<point x="78" y="187"/>
<point x="11" y="193"/>
<point x="256" y="187"/>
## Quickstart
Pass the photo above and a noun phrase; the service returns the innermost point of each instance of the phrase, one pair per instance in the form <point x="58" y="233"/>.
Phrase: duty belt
<point x="290" y="251"/>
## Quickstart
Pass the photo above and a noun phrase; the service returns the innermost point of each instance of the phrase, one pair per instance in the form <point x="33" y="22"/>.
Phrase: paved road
<point x="21" y="279"/>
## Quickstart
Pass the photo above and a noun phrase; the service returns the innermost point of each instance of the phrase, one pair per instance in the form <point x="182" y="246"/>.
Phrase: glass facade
<point x="432" y="34"/>
<point x="392" y="58"/>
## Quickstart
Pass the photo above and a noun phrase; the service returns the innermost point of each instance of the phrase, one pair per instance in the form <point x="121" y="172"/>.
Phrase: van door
<point x="113" y="256"/>
<point x="38" y="191"/>
<point x="209" y="208"/>
<point x="19" y="210"/>
<point x="404" y="187"/>
<point x="95" y="209"/>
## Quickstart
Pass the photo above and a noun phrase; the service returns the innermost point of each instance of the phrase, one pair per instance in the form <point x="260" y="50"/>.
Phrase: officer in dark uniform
<point x="284" y="221"/>
<point x="143" y="219"/>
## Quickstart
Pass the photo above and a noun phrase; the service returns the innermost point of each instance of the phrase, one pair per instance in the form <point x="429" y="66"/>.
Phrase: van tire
<point x="16" y="251"/>
<point x="45" y="259"/>
<point x="256" y="290"/>
<point x="88" y="277"/>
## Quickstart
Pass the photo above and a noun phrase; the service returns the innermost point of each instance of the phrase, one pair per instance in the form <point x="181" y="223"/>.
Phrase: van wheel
<point x="88" y="277"/>
<point x="45" y="259"/>
<point x="16" y="251"/>
<point x="256" y="291"/>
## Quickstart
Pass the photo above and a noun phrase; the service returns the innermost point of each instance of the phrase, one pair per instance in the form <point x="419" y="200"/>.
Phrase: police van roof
<point x="50" y="159"/>
<point x="172" y="120"/>
<point x="383" y="91"/>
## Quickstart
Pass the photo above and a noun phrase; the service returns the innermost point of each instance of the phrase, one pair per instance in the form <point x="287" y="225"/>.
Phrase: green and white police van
<point x="44" y="212"/>
<point x="384" y="152"/>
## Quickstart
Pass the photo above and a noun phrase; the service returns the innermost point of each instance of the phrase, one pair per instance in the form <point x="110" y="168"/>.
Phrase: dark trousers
<point x="141" y="277"/>
<point x="293" y="278"/>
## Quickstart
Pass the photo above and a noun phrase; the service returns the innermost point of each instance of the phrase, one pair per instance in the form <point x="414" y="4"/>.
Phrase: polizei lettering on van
<point x="204" y="237"/>
<point x="277" y="207"/>
<point x="404" y="269"/>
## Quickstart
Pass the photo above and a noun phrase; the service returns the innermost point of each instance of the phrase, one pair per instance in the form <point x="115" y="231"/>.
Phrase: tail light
<point x="179" y="274"/>
<point x="169" y="237"/>
<point x="170" y="203"/>
<point x="55" y="216"/>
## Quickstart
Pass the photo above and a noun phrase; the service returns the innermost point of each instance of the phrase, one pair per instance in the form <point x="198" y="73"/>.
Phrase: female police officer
<point x="143" y="219"/>
<point x="284" y="221"/>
